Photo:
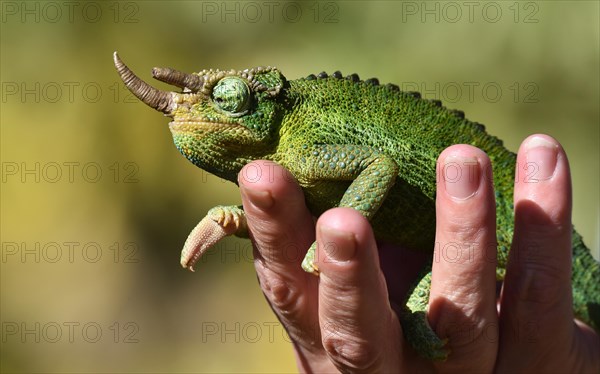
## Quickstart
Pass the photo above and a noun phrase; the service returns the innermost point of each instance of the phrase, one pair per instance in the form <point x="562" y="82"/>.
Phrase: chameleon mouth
<point x="183" y="126"/>
<point x="187" y="126"/>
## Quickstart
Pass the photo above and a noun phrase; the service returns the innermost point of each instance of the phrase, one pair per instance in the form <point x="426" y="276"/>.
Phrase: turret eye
<point x="232" y="95"/>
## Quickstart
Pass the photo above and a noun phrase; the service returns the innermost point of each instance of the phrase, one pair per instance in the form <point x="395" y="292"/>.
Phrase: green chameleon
<point x="348" y="143"/>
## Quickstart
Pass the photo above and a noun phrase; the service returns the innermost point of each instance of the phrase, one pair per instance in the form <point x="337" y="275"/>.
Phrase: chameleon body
<point x="348" y="143"/>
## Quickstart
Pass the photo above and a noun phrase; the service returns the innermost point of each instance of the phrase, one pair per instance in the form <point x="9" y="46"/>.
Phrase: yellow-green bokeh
<point x="518" y="67"/>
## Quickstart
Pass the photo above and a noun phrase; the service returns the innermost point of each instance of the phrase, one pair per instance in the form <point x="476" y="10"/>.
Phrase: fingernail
<point x="542" y="154"/>
<point x="339" y="245"/>
<point x="461" y="176"/>
<point x="263" y="200"/>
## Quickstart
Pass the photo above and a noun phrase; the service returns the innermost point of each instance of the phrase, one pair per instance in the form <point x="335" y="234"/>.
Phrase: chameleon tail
<point x="585" y="283"/>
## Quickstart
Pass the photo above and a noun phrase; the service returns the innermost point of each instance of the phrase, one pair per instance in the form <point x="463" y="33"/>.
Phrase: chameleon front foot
<point x="308" y="264"/>
<point x="219" y="222"/>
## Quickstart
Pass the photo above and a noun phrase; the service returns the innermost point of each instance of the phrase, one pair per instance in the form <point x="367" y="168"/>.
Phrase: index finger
<point x="282" y="229"/>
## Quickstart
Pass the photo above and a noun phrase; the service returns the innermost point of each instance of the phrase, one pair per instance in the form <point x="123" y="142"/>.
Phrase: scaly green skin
<point x="355" y="144"/>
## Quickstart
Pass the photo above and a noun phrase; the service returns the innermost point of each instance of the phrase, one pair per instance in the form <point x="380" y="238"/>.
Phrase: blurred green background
<point x="96" y="201"/>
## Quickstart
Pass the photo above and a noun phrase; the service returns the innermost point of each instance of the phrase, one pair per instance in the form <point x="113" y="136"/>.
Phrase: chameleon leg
<point x="218" y="223"/>
<point x="308" y="263"/>
<point x="373" y="176"/>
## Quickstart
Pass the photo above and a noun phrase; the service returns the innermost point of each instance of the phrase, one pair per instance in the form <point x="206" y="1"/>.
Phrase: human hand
<point x="345" y="319"/>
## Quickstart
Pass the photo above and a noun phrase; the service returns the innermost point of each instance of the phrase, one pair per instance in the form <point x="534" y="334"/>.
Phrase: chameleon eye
<point x="232" y="95"/>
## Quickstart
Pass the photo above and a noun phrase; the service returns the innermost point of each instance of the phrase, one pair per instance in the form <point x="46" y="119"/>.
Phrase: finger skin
<point x="536" y="307"/>
<point x="360" y="331"/>
<point x="281" y="229"/>
<point x="462" y="304"/>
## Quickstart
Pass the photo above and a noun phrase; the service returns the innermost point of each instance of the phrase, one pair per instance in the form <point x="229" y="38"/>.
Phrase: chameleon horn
<point x="159" y="100"/>
<point x="178" y="78"/>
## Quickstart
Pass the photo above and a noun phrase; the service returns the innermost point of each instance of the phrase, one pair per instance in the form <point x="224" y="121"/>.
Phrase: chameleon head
<point x="221" y="119"/>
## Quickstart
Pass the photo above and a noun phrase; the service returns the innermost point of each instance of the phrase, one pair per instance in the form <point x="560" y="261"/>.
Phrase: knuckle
<point x="283" y="296"/>
<point x="540" y="283"/>
<point x="267" y="235"/>
<point x="350" y="354"/>
<point x="464" y="230"/>
<point x="286" y="299"/>
<point x="277" y="248"/>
